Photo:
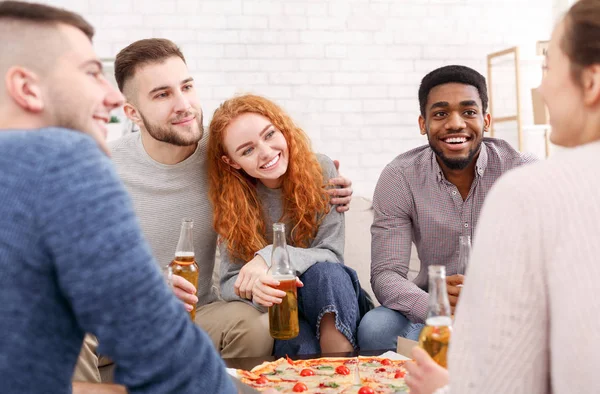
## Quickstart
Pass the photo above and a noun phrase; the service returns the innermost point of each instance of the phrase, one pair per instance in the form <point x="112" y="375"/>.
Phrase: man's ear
<point x="422" y="125"/>
<point x="132" y="113"/>
<point x="23" y="86"/>
<point x="487" y="122"/>
<point x="232" y="163"/>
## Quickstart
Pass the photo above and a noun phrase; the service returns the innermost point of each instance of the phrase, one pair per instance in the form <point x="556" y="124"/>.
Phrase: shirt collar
<point x="480" y="165"/>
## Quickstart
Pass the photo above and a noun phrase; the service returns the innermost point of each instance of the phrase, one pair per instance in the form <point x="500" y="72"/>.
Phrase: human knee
<point x="327" y="273"/>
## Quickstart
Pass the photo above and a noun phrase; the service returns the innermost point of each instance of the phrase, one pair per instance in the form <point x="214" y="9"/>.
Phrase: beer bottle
<point x="184" y="264"/>
<point x="435" y="336"/>
<point x="464" y="251"/>
<point x="283" y="318"/>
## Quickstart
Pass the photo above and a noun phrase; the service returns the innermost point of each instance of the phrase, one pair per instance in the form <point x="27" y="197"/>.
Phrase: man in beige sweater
<point x="528" y="320"/>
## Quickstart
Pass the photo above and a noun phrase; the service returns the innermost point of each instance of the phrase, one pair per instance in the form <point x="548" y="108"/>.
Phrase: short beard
<point x="456" y="164"/>
<point x="168" y="135"/>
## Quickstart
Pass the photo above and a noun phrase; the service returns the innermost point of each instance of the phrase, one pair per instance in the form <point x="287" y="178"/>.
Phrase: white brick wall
<point x="347" y="70"/>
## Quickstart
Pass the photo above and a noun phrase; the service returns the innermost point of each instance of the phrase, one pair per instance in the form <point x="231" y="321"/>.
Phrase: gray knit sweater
<point x="328" y="245"/>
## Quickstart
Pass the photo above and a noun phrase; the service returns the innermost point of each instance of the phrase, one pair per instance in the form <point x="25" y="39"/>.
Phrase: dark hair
<point x="43" y="14"/>
<point x="450" y="74"/>
<point x="150" y="50"/>
<point x="581" y="40"/>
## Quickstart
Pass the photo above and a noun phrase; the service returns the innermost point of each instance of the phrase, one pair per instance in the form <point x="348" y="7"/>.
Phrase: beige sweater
<point x="529" y="317"/>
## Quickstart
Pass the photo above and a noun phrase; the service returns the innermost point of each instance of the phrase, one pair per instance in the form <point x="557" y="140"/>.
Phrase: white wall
<point x="347" y="70"/>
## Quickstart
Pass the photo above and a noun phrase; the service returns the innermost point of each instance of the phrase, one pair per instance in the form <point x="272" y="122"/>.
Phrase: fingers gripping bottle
<point x="184" y="264"/>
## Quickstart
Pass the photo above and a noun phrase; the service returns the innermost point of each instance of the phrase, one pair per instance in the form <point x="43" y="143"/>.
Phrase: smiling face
<point x="255" y="146"/>
<point x="78" y="95"/>
<point x="454" y="123"/>
<point x="165" y="102"/>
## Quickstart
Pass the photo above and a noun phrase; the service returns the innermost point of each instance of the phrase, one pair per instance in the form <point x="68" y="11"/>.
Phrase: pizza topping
<point x="386" y="361"/>
<point x="366" y="390"/>
<point x="262" y="380"/>
<point x="289" y="360"/>
<point x="380" y="370"/>
<point x="300" y="387"/>
<point x="371" y="365"/>
<point x="307" y="372"/>
<point x="342" y="370"/>
<point x="399" y="374"/>
<point x="329" y="384"/>
<point x="324" y="367"/>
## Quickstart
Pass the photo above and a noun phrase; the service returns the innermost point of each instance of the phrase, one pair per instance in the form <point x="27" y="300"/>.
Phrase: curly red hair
<point x="238" y="216"/>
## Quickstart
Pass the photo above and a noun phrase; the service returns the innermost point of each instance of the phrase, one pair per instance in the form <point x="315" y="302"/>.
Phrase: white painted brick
<point x="316" y="9"/>
<point x="320" y="78"/>
<point x="218" y="37"/>
<point x="235" y="51"/>
<point x="379" y="105"/>
<point x="247" y="78"/>
<point x="365" y="22"/>
<point x="206" y="22"/>
<point x="342" y="133"/>
<point x="247" y="22"/>
<point x="106" y="7"/>
<point x="201" y="63"/>
<point x="343" y="105"/>
<point x="336" y="51"/>
<point x="288" y="78"/>
<point x="268" y="36"/>
<point x="350" y="78"/>
<point x="266" y="51"/>
<point x="318" y="64"/>
<point x="188" y="7"/>
<point x="273" y="92"/>
<point x="152" y="7"/>
<point x="220" y="7"/>
<point x="163" y="21"/>
<point x="326" y="23"/>
<point x="305" y="51"/>
<point x="210" y="51"/>
<point x="176" y="35"/>
<point x="262" y="7"/>
<point x="288" y="22"/>
<point x="123" y="20"/>
<point x="373" y="91"/>
<point x="295" y="8"/>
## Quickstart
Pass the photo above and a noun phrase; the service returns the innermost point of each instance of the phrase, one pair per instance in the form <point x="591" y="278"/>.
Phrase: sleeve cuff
<point x="265" y="253"/>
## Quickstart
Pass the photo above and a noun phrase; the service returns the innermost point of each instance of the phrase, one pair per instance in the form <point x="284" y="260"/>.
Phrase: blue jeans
<point x="380" y="328"/>
<point x="328" y="288"/>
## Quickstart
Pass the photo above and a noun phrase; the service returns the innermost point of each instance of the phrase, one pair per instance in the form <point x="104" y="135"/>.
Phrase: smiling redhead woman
<point x="261" y="171"/>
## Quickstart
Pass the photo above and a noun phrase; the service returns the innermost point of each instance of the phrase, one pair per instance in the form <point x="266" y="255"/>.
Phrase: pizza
<point x="359" y="375"/>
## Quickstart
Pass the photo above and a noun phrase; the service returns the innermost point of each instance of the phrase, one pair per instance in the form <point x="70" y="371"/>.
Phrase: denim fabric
<point x="328" y="287"/>
<point x="380" y="328"/>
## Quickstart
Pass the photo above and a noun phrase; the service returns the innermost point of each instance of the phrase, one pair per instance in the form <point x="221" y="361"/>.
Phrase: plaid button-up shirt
<point x="413" y="202"/>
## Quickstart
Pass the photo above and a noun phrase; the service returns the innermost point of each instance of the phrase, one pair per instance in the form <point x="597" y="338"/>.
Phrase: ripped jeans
<point x="328" y="287"/>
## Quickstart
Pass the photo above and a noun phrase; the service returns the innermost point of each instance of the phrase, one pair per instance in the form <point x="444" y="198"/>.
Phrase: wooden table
<point x="248" y="363"/>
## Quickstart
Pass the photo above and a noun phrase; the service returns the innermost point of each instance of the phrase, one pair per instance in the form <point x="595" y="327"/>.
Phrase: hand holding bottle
<point x="454" y="285"/>
<point x="265" y="290"/>
<point x="248" y="275"/>
<point x="185" y="291"/>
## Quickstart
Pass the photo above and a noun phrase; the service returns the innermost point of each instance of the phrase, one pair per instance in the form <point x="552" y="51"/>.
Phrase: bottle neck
<point x="185" y="246"/>
<point x="439" y="306"/>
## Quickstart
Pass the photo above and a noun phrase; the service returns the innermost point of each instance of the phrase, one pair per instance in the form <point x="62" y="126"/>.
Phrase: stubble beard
<point x="170" y="135"/>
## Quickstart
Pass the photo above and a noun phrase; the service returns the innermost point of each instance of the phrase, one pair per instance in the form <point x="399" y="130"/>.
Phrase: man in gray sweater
<point x="163" y="168"/>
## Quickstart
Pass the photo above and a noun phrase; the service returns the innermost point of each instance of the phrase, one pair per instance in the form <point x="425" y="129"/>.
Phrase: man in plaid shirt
<point x="431" y="195"/>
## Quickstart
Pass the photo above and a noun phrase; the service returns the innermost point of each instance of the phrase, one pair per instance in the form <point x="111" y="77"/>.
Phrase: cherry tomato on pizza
<point x="299" y="387"/>
<point x="342" y="370"/>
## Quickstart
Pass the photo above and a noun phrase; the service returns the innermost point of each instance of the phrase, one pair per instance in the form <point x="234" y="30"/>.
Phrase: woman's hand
<point x="249" y="273"/>
<point x="264" y="292"/>
<point x="425" y="376"/>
